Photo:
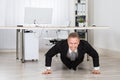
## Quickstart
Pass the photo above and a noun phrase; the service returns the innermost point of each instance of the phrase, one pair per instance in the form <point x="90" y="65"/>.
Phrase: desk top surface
<point x="53" y="27"/>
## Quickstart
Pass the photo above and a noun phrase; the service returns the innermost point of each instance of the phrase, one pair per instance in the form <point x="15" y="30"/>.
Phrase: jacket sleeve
<point x="93" y="53"/>
<point x="52" y="52"/>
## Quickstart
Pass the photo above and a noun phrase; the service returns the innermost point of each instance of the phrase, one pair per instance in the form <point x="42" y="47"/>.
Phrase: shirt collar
<point x="71" y="50"/>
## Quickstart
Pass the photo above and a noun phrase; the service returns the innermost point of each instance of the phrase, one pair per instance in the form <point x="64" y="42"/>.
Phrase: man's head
<point x="73" y="41"/>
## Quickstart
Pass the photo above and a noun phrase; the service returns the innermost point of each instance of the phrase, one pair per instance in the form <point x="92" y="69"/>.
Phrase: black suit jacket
<point x="62" y="48"/>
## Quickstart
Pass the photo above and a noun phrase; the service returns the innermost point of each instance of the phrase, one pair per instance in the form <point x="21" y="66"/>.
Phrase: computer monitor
<point x="38" y="15"/>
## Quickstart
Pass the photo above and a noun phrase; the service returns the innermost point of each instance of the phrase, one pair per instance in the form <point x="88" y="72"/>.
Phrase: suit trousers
<point x="71" y="64"/>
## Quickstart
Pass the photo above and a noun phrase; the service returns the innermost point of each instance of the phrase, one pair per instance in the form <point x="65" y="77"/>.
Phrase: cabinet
<point x="31" y="46"/>
<point x="81" y="16"/>
<point x="81" y="13"/>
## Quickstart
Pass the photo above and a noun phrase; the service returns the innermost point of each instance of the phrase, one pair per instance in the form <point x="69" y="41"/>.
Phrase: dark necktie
<point x="72" y="56"/>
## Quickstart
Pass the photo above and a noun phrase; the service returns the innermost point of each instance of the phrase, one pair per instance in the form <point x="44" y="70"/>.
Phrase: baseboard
<point x="14" y="50"/>
<point x="7" y="50"/>
<point x="101" y="51"/>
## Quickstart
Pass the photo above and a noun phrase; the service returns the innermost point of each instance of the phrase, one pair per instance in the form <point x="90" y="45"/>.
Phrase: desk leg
<point x="17" y="46"/>
<point x="88" y="58"/>
<point x="22" y="42"/>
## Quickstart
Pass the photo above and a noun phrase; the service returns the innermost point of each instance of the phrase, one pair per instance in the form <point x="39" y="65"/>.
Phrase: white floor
<point x="12" y="69"/>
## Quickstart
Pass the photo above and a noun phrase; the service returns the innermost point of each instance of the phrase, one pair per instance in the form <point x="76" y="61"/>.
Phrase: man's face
<point x="73" y="43"/>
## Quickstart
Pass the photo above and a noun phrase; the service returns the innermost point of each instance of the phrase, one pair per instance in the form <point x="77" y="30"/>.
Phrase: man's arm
<point x="52" y="52"/>
<point x="48" y="57"/>
<point x="93" y="53"/>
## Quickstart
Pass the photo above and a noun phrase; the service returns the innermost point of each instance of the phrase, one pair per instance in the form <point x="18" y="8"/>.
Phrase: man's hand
<point x="47" y="71"/>
<point x="96" y="72"/>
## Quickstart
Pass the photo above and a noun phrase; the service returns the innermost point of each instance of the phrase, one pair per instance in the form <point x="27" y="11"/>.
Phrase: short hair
<point x="74" y="35"/>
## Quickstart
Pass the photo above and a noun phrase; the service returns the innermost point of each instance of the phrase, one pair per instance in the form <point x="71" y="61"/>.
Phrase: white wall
<point x="12" y="13"/>
<point x="102" y="13"/>
<point x="7" y="39"/>
<point x="107" y="13"/>
<point x="2" y="12"/>
<point x="15" y="10"/>
<point x="90" y="20"/>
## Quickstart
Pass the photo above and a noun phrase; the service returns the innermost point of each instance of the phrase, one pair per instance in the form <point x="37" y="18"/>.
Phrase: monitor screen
<point x="38" y="15"/>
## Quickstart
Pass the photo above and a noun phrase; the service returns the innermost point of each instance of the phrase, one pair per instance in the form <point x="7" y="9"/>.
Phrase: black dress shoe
<point x="70" y="67"/>
<point x="74" y="68"/>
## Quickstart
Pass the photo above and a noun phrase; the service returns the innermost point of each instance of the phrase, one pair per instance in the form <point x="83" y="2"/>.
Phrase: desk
<point x="54" y="27"/>
<point x="42" y="27"/>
